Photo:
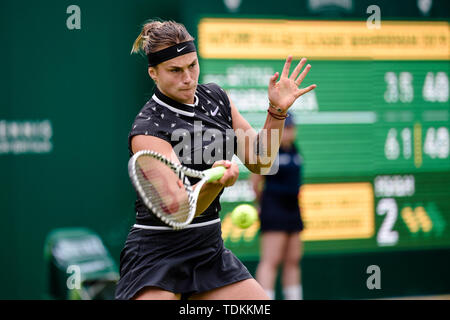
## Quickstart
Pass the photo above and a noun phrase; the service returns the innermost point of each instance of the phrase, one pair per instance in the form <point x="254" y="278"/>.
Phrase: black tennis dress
<point x="280" y="209"/>
<point x="194" y="259"/>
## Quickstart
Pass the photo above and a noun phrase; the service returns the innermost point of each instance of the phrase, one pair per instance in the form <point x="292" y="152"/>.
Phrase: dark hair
<point x="157" y="35"/>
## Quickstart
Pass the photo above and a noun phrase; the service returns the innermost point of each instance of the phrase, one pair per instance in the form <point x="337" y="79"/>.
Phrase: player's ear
<point x="153" y="73"/>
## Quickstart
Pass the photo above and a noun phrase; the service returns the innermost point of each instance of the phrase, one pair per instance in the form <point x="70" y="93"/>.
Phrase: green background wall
<point x="79" y="91"/>
<point x="89" y="88"/>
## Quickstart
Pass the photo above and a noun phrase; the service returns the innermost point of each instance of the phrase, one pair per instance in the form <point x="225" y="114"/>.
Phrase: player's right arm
<point x="210" y="190"/>
<point x="143" y="142"/>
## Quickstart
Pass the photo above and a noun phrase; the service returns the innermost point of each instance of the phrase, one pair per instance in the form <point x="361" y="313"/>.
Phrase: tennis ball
<point x="244" y="215"/>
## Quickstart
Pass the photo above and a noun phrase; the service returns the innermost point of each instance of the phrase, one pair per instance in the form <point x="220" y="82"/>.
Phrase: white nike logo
<point x="181" y="49"/>
<point x="213" y="113"/>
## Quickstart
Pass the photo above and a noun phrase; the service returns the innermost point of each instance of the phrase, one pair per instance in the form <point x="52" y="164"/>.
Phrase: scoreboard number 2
<point x="386" y="236"/>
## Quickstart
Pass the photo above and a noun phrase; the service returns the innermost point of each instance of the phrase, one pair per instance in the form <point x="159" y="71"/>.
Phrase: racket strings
<point x="167" y="196"/>
<point x="164" y="203"/>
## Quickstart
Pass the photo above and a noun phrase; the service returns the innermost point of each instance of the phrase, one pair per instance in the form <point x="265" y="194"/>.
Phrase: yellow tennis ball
<point x="244" y="215"/>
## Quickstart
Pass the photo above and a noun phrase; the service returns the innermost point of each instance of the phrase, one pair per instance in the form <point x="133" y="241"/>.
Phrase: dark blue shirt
<point x="287" y="180"/>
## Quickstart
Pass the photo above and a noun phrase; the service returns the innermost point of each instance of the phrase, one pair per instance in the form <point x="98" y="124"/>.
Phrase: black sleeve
<point x="149" y="122"/>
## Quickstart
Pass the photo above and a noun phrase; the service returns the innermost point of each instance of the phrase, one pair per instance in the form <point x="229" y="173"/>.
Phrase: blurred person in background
<point x="281" y="223"/>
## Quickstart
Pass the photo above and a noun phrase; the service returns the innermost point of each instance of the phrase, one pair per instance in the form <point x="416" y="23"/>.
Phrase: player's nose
<point x="186" y="77"/>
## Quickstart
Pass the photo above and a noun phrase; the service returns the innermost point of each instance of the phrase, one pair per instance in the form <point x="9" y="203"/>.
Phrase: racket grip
<point x="215" y="173"/>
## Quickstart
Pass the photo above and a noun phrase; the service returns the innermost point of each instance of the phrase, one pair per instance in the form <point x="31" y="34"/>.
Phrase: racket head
<point x="164" y="188"/>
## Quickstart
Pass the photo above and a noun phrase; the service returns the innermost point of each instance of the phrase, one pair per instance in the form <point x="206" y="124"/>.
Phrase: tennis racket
<point x="164" y="186"/>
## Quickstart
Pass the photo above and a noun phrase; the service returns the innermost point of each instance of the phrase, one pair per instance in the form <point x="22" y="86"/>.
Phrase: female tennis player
<point x="158" y="262"/>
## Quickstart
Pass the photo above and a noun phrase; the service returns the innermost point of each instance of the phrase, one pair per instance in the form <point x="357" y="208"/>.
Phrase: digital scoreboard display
<point x="374" y="134"/>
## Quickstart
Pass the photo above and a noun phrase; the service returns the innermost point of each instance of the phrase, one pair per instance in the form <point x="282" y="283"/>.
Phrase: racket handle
<point x="215" y="173"/>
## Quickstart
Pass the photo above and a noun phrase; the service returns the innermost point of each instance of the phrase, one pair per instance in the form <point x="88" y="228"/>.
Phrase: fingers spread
<point x="305" y="90"/>
<point x="287" y="66"/>
<point x="302" y="75"/>
<point x="273" y="79"/>
<point x="298" y="68"/>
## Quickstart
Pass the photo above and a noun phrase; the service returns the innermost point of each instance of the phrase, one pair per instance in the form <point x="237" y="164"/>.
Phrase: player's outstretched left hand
<point x="282" y="94"/>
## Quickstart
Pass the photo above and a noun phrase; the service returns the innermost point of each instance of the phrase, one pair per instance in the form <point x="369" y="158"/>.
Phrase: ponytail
<point x="157" y="35"/>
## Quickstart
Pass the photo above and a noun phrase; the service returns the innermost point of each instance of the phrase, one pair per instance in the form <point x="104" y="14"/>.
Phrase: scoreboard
<point x="374" y="134"/>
